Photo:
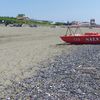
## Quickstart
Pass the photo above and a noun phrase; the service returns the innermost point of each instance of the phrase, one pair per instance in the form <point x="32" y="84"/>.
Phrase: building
<point x="92" y="22"/>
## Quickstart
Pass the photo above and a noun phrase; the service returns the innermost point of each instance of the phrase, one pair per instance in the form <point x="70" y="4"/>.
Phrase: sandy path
<point x="22" y="48"/>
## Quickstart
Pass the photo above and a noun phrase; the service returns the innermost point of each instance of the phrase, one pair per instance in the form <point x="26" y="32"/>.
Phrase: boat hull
<point x="82" y="39"/>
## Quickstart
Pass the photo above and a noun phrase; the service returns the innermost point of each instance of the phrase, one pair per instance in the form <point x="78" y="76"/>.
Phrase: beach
<point x="23" y="48"/>
<point x="35" y="64"/>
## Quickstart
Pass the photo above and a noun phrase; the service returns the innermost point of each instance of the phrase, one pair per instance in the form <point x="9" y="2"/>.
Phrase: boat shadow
<point x="62" y="44"/>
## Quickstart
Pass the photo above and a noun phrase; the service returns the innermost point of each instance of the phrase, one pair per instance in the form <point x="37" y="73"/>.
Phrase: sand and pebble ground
<point x="70" y="76"/>
<point x="22" y="48"/>
<point x="40" y="67"/>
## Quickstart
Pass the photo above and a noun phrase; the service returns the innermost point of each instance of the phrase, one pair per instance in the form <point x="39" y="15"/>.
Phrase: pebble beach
<point x="36" y="65"/>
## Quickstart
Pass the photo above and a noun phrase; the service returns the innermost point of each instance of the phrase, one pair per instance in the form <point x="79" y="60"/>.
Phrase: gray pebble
<point x="73" y="76"/>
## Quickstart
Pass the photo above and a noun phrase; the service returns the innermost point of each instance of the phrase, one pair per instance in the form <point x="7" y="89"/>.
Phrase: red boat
<point x="86" y="38"/>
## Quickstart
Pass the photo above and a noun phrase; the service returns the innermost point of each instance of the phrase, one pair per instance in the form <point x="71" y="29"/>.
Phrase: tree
<point x="21" y="15"/>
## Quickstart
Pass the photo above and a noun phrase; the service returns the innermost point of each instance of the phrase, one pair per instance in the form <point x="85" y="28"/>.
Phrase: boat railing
<point x="70" y="30"/>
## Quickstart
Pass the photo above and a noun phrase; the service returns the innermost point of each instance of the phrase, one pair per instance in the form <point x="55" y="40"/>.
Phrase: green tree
<point x="21" y="15"/>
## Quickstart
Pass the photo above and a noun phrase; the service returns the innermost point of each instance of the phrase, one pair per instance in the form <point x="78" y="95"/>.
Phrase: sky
<point x="53" y="10"/>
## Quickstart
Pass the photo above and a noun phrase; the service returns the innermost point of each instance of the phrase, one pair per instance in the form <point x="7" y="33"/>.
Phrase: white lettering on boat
<point x="93" y="39"/>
